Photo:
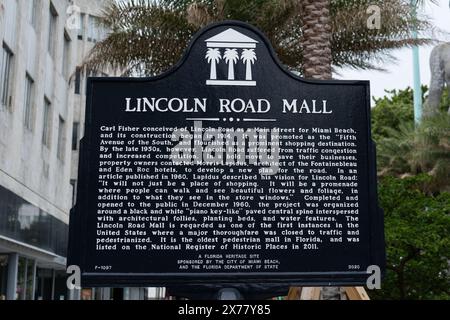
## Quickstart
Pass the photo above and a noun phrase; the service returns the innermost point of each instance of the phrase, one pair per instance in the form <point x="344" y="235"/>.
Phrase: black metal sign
<point x="226" y="169"/>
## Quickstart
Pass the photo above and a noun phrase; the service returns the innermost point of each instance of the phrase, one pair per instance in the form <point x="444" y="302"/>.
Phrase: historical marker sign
<point x="227" y="168"/>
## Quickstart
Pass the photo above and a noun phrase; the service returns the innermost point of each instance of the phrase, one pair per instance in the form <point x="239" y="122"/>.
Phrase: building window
<point x="91" y="27"/>
<point x="61" y="138"/>
<point x="46" y="133"/>
<point x="5" y="75"/>
<point x="75" y="129"/>
<point x="26" y="273"/>
<point x="33" y="13"/>
<point x="66" y="57"/>
<point x="94" y="32"/>
<point x="27" y="223"/>
<point x="77" y="80"/>
<point x="52" y="31"/>
<point x="28" y="109"/>
<point x="81" y="27"/>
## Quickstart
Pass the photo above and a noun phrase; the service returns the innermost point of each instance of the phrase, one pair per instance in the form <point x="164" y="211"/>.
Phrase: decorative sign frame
<point x="162" y="200"/>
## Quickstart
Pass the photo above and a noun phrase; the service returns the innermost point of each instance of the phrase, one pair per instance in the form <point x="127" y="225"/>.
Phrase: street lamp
<point x="417" y="86"/>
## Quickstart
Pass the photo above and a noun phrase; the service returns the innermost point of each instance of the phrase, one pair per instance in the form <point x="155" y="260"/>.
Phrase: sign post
<point x="227" y="169"/>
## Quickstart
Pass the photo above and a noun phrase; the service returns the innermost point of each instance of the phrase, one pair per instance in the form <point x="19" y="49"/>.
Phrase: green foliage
<point x="149" y="36"/>
<point x="417" y="229"/>
<point x="397" y="108"/>
<point x="414" y="169"/>
<point x="422" y="149"/>
<point x="392" y="110"/>
<point x="405" y="149"/>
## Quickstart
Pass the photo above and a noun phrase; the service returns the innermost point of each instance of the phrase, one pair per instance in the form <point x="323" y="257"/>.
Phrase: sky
<point x="399" y="75"/>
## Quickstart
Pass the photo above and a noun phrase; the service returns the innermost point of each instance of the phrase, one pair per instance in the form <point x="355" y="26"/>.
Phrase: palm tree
<point x="231" y="56"/>
<point x="316" y="42"/>
<point x="152" y="35"/>
<point x="213" y="56"/>
<point x="248" y="57"/>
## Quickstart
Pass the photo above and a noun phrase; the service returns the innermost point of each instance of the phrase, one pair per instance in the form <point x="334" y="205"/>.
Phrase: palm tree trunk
<point x="230" y="70"/>
<point x="316" y="40"/>
<point x="213" y="73"/>
<point x="248" y="71"/>
<point x="316" y="44"/>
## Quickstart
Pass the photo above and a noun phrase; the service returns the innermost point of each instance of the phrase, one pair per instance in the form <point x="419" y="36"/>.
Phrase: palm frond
<point x="153" y="34"/>
<point x="143" y="36"/>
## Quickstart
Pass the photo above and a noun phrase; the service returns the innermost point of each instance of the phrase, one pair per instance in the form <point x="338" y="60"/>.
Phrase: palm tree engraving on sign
<point x="231" y="56"/>
<point x="248" y="57"/>
<point x="213" y="56"/>
<point x="231" y="41"/>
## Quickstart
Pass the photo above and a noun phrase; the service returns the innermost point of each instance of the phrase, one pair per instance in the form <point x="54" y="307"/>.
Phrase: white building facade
<point x="88" y="33"/>
<point x="43" y="44"/>
<point x="37" y="54"/>
<point x="41" y="112"/>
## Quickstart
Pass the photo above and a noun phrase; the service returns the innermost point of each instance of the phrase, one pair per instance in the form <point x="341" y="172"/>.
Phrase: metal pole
<point x="417" y="85"/>
<point x="53" y="285"/>
<point x="11" y="284"/>
<point x="23" y="294"/>
<point x="33" y="285"/>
